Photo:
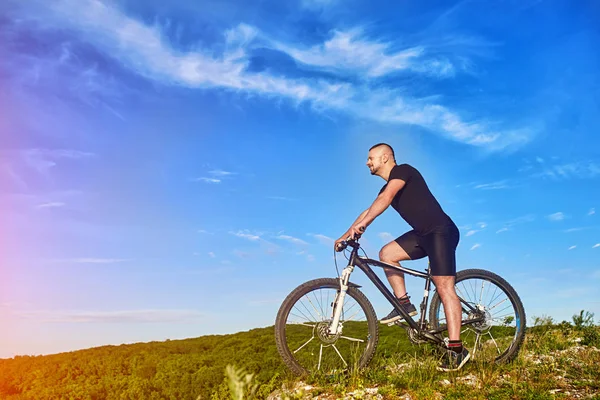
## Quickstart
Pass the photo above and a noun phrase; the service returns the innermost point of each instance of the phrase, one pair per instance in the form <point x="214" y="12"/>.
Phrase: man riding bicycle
<point x="434" y="234"/>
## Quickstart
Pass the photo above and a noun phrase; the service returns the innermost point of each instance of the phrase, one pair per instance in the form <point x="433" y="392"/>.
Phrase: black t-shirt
<point x="414" y="202"/>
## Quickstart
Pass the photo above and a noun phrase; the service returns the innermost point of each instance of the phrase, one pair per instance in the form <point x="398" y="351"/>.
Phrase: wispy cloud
<point x="572" y="170"/>
<point x="570" y="230"/>
<point x="41" y="160"/>
<point x="471" y="232"/>
<point x="97" y="260"/>
<point x="558" y="216"/>
<point x="596" y="245"/>
<point x="326" y="240"/>
<point x="475" y="246"/>
<point x="217" y="176"/>
<point x="207" y="180"/>
<point x="211" y="254"/>
<point x="293" y="240"/>
<point x="145" y="50"/>
<point x="502" y="230"/>
<point x="246" y="235"/>
<point x="127" y="316"/>
<point x="572" y="247"/>
<point x="54" y="204"/>
<point x="386" y="236"/>
<point x="219" y="172"/>
<point x="592" y="211"/>
<point x="493" y="185"/>
<point x="352" y="51"/>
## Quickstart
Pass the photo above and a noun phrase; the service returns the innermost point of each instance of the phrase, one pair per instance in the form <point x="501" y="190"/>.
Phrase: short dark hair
<point x="387" y="145"/>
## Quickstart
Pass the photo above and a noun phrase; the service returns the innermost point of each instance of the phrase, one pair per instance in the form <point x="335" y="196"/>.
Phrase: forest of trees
<point x="174" y="369"/>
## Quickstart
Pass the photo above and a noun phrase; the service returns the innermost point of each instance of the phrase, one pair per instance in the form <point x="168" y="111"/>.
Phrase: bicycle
<point x="328" y="333"/>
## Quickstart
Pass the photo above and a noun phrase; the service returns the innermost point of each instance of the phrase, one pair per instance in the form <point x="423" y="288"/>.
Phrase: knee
<point x="383" y="254"/>
<point x="446" y="289"/>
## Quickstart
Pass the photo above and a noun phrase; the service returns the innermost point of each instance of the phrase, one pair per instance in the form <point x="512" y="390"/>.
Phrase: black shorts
<point x="440" y="245"/>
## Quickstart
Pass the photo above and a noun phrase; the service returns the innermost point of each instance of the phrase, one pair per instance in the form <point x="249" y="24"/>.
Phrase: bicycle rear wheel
<point x="304" y="318"/>
<point x="500" y="335"/>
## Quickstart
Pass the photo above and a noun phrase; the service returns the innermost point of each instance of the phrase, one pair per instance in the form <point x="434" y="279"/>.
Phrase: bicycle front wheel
<point x="303" y="320"/>
<point x="499" y="333"/>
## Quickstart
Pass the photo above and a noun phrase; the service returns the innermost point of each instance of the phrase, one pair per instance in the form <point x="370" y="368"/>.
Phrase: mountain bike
<point x="329" y="325"/>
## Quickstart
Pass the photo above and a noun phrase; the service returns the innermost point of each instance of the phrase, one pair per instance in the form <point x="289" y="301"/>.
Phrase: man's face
<point x="374" y="161"/>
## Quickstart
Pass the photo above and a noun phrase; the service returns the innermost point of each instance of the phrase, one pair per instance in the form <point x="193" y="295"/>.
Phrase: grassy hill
<point x="557" y="361"/>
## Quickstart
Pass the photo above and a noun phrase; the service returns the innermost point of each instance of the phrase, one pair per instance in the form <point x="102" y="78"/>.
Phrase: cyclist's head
<point x="381" y="156"/>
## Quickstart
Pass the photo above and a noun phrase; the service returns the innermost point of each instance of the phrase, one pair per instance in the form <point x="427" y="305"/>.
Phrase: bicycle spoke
<point x="338" y="352"/>
<point x="303" y="324"/>
<point x="491" y="308"/>
<point x="320" y="356"/>
<point x="352" y="339"/>
<point x="300" y="348"/>
<point x="495" y="343"/>
<point x="481" y="294"/>
<point x="313" y="306"/>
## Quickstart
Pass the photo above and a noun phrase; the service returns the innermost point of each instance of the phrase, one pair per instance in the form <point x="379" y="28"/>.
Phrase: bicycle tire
<point x="297" y="295"/>
<point x="519" y="319"/>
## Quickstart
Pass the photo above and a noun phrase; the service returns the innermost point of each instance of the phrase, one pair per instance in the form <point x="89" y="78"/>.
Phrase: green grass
<point x="557" y="361"/>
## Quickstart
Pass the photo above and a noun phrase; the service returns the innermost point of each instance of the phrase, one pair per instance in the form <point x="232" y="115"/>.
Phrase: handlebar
<point x="350" y="241"/>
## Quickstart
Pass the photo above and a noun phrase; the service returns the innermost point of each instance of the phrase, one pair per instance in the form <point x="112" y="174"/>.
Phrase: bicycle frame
<point x="364" y="264"/>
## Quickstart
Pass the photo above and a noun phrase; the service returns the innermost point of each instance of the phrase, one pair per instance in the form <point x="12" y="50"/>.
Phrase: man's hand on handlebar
<point x="357" y="230"/>
<point x="341" y="244"/>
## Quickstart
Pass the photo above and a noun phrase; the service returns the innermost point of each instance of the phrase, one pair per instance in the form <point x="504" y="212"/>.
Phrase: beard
<point x="373" y="171"/>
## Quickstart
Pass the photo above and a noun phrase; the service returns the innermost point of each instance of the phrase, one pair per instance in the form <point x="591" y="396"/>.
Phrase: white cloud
<point x="572" y="247"/>
<point x="350" y="51"/>
<point x="482" y="225"/>
<point x="475" y="246"/>
<point x="143" y="49"/>
<point x="502" y="230"/>
<point x="574" y="230"/>
<point x="592" y="211"/>
<point x="493" y="185"/>
<point x="326" y="240"/>
<point x="211" y="254"/>
<point x="471" y="232"/>
<point x="97" y="260"/>
<point x="293" y="240"/>
<point x="54" y="204"/>
<point x="596" y="245"/>
<point x="127" y="316"/>
<point x="218" y="172"/>
<point x="520" y="220"/>
<point x="573" y="170"/>
<point x="386" y="236"/>
<point x="246" y="235"/>
<point x="207" y="180"/>
<point x="559" y="216"/>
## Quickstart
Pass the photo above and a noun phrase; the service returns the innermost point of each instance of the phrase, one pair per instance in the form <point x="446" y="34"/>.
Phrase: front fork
<point x="338" y="304"/>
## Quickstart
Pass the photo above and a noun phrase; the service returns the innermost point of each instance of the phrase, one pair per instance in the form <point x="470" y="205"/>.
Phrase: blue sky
<point x="171" y="171"/>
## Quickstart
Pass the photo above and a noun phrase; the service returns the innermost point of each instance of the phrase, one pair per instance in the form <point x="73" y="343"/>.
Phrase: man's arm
<point x="360" y="218"/>
<point x="381" y="203"/>
<point x="346" y="235"/>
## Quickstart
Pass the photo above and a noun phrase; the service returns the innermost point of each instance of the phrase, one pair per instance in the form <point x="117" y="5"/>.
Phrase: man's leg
<point x="445" y="288"/>
<point x="393" y="253"/>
